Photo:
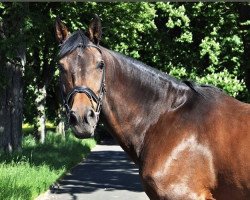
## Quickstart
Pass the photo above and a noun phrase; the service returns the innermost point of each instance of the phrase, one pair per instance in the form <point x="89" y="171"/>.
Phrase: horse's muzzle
<point x="83" y="126"/>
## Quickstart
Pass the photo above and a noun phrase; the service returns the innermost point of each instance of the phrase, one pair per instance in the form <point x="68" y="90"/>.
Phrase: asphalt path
<point x="106" y="174"/>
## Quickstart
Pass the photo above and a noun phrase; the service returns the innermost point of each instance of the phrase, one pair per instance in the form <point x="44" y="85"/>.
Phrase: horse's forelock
<point x="70" y="44"/>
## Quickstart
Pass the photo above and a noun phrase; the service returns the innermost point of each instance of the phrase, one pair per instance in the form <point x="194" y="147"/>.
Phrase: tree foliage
<point x="205" y="42"/>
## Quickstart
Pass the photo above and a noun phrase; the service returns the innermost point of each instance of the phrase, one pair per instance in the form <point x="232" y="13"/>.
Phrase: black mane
<point x="197" y="88"/>
<point x="75" y="40"/>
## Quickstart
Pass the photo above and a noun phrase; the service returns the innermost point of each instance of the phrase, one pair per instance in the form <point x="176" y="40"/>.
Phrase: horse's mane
<point x="199" y="88"/>
<point x="144" y="67"/>
<point x="195" y="87"/>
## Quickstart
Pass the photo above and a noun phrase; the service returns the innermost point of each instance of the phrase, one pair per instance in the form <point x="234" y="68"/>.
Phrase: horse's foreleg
<point x="159" y="190"/>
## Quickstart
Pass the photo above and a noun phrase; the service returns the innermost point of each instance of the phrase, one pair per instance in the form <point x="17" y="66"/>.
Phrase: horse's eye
<point x="61" y="68"/>
<point x="101" y="65"/>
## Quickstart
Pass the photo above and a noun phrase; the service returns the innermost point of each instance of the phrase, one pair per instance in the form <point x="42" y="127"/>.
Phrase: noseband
<point x="86" y="90"/>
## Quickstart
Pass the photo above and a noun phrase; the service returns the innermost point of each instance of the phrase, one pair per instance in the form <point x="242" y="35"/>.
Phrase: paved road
<point x="106" y="174"/>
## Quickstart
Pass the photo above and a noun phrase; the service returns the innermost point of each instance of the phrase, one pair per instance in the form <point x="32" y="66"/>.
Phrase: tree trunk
<point x="11" y="108"/>
<point x="244" y="14"/>
<point x="40" y="124"/>
<point x="12" y="60"/>
<point x="62" y="124"/>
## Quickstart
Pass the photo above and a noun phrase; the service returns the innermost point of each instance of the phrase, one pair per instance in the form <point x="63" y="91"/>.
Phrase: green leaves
<point x="201" y="41"/>
<point x="211" y="48"/>
<point x="1" y="5"/>
<point x="224" y="80"/>
<point x="1" y="10"/>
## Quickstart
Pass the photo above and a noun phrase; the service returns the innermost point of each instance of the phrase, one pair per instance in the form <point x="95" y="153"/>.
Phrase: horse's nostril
<point x="91" y="113"/>
<point x="72" y="118"/>
<point x="90" y="116"/>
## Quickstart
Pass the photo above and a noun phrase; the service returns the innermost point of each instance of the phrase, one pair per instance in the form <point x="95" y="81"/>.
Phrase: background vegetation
<point x="26" y="174"/>
<point x="204" y="42"/>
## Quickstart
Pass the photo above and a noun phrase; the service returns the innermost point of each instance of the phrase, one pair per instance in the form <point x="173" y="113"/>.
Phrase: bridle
<point x="86" y="90"/>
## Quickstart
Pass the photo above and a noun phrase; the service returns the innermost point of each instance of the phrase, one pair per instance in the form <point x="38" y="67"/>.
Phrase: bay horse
<point x="190" y="141"/>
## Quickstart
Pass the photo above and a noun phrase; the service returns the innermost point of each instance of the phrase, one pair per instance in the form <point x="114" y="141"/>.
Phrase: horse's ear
<point x="94" y="31"/>
<point x="61" y="31"/>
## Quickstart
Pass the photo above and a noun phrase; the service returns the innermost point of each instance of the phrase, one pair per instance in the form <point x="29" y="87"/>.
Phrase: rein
<point x="86" y="90"/>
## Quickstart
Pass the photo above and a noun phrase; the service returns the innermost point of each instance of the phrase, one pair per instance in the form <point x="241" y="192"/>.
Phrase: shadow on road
<point x="108" y="170"/>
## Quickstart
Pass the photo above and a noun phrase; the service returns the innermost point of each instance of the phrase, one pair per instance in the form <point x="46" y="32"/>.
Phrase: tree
<point x="40" y="68"/>
<point x="244" y="25"/>
<point x="12" y="51"/>
<point x="202" y="41"/>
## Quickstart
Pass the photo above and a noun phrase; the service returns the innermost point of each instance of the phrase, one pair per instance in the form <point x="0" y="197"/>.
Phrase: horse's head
<point x="82" y="76"/>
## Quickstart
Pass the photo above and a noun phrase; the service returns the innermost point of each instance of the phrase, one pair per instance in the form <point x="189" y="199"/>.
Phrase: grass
<point x="28" y="128"/>
<point x="25" y="175"/>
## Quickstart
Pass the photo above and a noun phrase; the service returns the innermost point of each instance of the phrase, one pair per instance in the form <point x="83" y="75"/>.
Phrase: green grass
<point x="28" y="128"/>
<point x="25" y="175"/>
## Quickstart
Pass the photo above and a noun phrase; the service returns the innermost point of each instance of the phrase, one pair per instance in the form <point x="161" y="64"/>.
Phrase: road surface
<point x="107" y="173"/>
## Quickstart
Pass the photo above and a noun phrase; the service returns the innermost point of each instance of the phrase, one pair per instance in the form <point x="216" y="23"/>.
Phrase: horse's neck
<point x="134" y="101"/>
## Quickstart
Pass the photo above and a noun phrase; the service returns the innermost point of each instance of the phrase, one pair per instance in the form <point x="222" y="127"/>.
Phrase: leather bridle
<point x="86" y="90"/>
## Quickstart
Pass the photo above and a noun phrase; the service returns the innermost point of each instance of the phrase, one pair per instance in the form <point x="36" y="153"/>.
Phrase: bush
<point x="222" y="79"/>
